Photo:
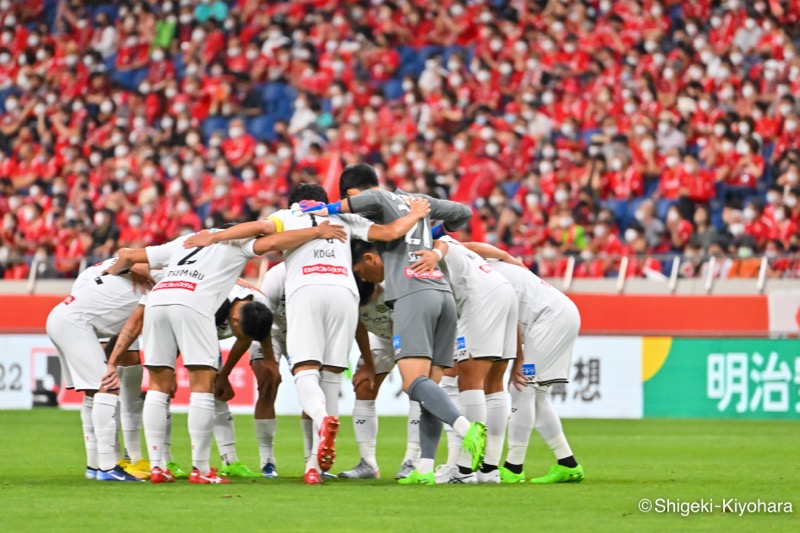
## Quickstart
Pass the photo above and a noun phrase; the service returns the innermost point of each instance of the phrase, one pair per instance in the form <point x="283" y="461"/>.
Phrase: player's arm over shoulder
<point x="453" y="214"/>
<point x="487" y="251"/>
<point x="367" y="203"/>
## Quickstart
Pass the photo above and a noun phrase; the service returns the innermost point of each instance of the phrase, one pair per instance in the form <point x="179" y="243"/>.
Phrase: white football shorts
<point x="83" y="360"/>
<point x="321" y="325"/>
<point x="170" y="329"/>
<point x="548" y="345"/>
<point x="487" y="326"/>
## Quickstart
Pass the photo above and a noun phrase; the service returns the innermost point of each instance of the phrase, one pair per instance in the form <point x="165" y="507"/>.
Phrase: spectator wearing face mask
<point x="105" y="236"/>
<point x="745" y="265"/>
<point x="782" y="227"/>
<point x="757" y="225"/>
<point x="680" y="230"/>
<point x="570" y="236"/>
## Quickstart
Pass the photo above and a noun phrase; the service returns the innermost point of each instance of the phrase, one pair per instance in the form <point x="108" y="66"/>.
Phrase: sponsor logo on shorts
<point x="486" y="268"/>
<point x="68" y="300"/>
<point x="529" y="371"/>
<point x="185" y="285"/>
<point x="436" y="274"/>
<point x="396" y="344"/>
<point x="325" y="269"/>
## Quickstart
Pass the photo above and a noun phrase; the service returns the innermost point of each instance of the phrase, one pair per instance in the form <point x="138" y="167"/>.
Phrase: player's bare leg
<point x="265" y="421"/>
<point x="496" y="422"/>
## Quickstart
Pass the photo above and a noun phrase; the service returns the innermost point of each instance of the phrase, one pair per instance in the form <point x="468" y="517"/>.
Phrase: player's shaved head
<point x="359" y="177"/>
<point x="255" y="319"/>
<point x="308" y="191"/>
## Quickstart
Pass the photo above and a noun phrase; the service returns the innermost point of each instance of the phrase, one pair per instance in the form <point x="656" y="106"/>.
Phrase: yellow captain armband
<point x="278" y="223"/>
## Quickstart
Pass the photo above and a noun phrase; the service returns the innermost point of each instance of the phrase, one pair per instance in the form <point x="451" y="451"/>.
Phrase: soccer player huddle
<point x="451" y="316"/>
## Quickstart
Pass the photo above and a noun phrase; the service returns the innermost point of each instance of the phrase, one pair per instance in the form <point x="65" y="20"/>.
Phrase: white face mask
<point x="561" y="196"/>
<point x="736" y="229"/>
<point x="565" y="222"/>
<point x="631" y="235"/>
<point x="672" y="216"/>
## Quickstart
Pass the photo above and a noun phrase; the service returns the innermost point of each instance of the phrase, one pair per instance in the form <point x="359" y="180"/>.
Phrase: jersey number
<point x="186" y="260"/>
<point x="426" y="234"/>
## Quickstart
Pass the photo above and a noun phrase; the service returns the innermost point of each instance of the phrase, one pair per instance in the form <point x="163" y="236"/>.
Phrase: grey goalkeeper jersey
<point x="384" y="207"/>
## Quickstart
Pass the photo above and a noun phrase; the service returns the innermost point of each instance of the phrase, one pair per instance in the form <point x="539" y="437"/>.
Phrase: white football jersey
<point x="201" y="277"/>
<point x="320" y="262"/>
<point x="274" y="288"/>
<point x="469" y="274"/>
<point x="533" y="293"/>
<point x="240" y="291"/>
<point x="104" y="302"/>
<point x="376" y="315"/>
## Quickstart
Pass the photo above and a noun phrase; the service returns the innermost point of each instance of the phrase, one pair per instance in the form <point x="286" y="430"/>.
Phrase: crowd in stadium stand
<point x="591" y="129"/>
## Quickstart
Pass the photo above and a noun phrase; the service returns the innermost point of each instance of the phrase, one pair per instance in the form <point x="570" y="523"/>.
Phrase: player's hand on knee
<point x="110" y="380"/>
<point x="366" y="373"/>
<point x="329" y="231"/>
<point x="427" y="262"/>
<point x="203" y="238"/>
<point x="223" y="389"/>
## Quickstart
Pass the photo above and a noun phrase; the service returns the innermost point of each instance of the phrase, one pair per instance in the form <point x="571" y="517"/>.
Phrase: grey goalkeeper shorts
<point x="425" y="326"/>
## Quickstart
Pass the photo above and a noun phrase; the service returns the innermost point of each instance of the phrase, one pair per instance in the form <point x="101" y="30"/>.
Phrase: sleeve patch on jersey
<point x="396" y="344"/>
<point x="278" y="223"/>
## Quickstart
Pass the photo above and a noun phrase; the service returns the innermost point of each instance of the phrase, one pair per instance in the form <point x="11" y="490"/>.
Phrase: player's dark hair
<point x="365" y="291"/>
<point x="221" y="316"/>
<point x="256" y="320"/>
<point x="359" y="176"/>
<point x="308" y="191"/>
<point x="358" y="248"/>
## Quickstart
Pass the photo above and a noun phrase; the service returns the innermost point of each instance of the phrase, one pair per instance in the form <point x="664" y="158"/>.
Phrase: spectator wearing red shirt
<point x="782" y="227"/>
<point x="239" y="147"/>
<point x="70" y="248"/>
<point x="680" y="230"/>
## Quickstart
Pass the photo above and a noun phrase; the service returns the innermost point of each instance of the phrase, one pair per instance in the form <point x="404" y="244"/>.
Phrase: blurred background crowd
<point x="587" y="129"/>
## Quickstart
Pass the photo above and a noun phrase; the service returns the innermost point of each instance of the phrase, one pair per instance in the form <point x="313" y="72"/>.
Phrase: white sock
<point x="473" y="405"/>
<point x="308" y="436"/>
<point x="166" y="453"/>
<point x="412" y="447"/>
<point x="548" y="425"/>
<point x="201" y="428"/>
<point x="331" y="384"/>
<point x="520" y="423"/>
<point x="312" y="397"/>
<point x="105" y="427"/>
<point x="131" y="405"/>
<point x="265" y="435"/>
<point x="155" y="416"/>
<point x="313" y="460"/>
<point x="119" y="454"/>
<point x="496" y="421"/>
<point x="425" y="466"/>
<point x="89" y="439"/>
<point x="450" y="386"/>
<point x="365" y="423"/>
<point x="224" y="433"/>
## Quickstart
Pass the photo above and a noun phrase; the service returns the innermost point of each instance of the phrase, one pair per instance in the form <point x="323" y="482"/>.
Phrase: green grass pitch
<point x="42" y="486"/>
